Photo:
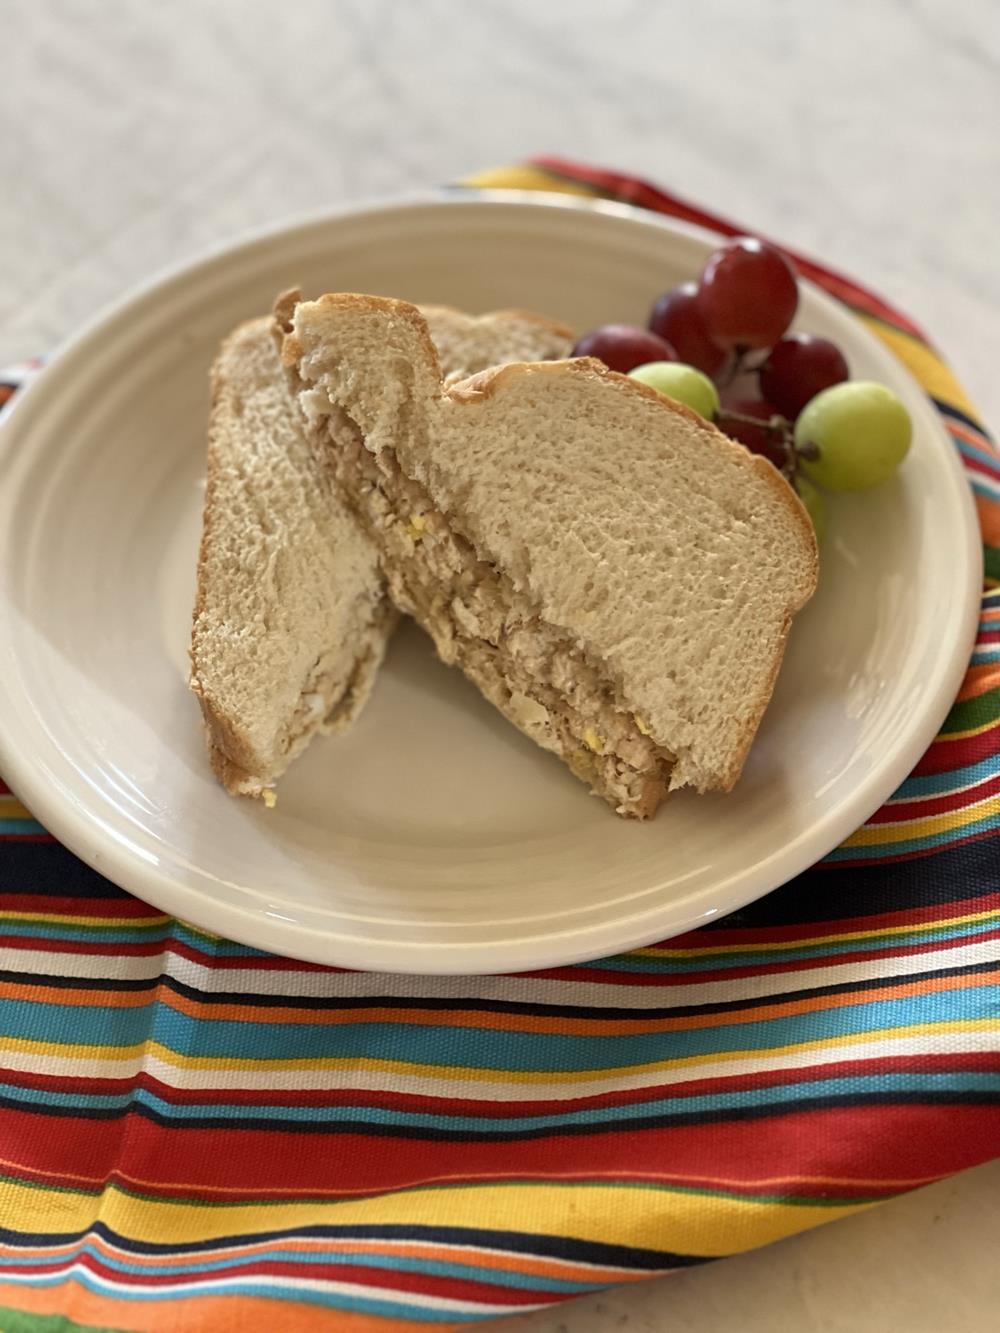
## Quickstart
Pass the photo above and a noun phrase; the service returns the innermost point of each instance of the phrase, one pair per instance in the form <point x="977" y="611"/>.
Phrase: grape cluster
<point x="818" y="427"/>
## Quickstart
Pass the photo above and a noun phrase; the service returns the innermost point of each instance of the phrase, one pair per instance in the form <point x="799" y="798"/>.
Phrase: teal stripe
<point x="260" y="1287"/>
<point x="981" y="488"/>
<point x="983" y="456"/>
<point x="511" y="1280"/>
<point x="988" y="824"/>
<point x="858" y="1088"/>
<point x="460" y="1048"/>
<point x="59" y="930"/>
<point x="214" y="947"/>
<point x="19" y="826"/>
<point x="939" y="784"/>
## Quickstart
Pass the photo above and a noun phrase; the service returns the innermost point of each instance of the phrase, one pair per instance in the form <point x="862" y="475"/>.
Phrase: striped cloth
<point x="196" y="1135"/>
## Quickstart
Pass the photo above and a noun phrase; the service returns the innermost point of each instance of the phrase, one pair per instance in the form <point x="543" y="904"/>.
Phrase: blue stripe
<point x="980" y="455"/>
<point x="464" y="1048"/>
<point x="260" y="1287"/>
<point x="937" y="784"/>
<point x="19" y="826"/>
<point x="676" y="1104"/>
<point x="333" y="1259"/>
<point x="722" y="961"/>
<point x="61" y="930"/>
<point x="988" y="824"/>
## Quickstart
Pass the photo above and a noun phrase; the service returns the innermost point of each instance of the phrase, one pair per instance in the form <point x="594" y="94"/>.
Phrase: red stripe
<point x="949" y="1063"/>
<point x="43" y="905"/>
<point x="37" y="944"/>
<point x="369" y="1275"/>
<point x="927" y="1141"/>
<point x="664" y="981"/>
<point x="937" y="805"/>
<point x="806" y="931"/>
<point x="991" y="470"/>
<point x="634" y="191"/>
<point x="944" y="756"/>
<point x="981" y="836"/>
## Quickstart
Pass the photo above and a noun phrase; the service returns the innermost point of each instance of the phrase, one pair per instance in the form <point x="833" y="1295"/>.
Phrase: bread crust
<point x="232" y="752"/>
<point x="485" y="384"/>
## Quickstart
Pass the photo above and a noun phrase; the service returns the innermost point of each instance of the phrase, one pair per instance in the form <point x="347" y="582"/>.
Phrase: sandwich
<point x="291" y="616"/>
<point x="615" y="575"/>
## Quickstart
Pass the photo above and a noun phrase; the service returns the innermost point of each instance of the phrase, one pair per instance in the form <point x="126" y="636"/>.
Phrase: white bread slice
<point x="291" y="616"/>
<point x="616" y="576"/>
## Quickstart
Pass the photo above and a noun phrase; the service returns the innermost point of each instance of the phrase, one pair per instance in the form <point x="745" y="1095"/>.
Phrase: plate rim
<point x="109" y="855"/>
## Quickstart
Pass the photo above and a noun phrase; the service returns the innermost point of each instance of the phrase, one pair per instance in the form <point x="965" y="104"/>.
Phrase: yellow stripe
<point x="11" y="808"/>
<point x="809" y="941"/>
<point x="965" y="735"/>
<point x="925" y="366"/>
<point x="648" y="1217"/>
<point x="94" y="922"/>
<point x="478" y="1074"/>
<point x="524" y="178"/>
<point x="876" y="834"/>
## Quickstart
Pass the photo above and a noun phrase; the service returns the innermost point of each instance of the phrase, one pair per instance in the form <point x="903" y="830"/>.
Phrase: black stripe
<point x="400" y="1005"/>
<point x="518" y="1242"/>
<point x="833" y="893"/>
<point x="615" y="1122"/>
<point x="957" y="414"/>
<point x="79" y="983"/>
<point x="47" y="869"/>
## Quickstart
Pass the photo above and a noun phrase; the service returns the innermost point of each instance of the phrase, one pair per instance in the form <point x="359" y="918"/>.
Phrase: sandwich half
<point x="615" y="575"/>
<point x="291" y="616"/>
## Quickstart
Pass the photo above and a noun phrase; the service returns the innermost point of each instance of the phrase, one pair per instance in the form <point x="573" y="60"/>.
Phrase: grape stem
<point x="780" y="428"/>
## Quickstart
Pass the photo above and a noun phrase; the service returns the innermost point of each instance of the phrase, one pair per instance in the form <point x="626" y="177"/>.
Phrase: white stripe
<point x="320" y="1245"/>
<point x="904" y="823"/>
<point x="530" y="990"/>
<point x="948" y="1041"/>
<point x="210" y="1286"/>
<point x="980" y="480"/>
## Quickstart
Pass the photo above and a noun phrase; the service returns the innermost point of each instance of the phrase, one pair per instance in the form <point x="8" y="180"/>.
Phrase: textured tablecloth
<point x="196" y="1135"/>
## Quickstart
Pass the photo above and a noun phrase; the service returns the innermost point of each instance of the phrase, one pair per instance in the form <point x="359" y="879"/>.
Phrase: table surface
<point x="137" y="135"/>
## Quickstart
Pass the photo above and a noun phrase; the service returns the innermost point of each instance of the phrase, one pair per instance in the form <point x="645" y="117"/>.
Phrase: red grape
<point x="747" y="295"/>
<point x="798" y="369"/>
<point x="623" y="347"/>
<point x="676" y="317"/>
<point x="756" y="438"/>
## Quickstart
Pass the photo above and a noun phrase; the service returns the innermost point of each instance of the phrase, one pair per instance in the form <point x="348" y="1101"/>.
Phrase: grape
<point x="862" y="432"/>
<point x="623" y="346"/>
<point x="747" y="295"/>
<point x="814" y="504"/>
<point x="756" y="438"/>
<point x="676" y="317"/>
<point x="683" y="383"/>
<point x="799" y="368"/>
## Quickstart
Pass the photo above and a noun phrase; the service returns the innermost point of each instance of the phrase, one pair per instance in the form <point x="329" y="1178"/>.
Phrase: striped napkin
<point x="195" y="1135"/>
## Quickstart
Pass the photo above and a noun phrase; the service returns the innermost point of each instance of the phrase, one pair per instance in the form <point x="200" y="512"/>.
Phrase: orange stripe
<point x="527" y="1264"/>
<point x="972" y="436"/>
<point x="583" y="1027"/>
<point x="197" y="1314"/>
<point x="989" y="519"/>
<point x="622" y="1027"/>
<point x="96" y="999"/>
<point x="978" y="680"/>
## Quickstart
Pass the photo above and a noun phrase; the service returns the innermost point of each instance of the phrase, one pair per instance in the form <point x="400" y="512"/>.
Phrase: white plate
<point x="433" y="838"/>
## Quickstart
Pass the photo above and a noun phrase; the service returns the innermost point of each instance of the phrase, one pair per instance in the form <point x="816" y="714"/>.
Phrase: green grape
<point x="683" y="383"/>
<point x="862" y="432"/>
<point x="813" y="503"/>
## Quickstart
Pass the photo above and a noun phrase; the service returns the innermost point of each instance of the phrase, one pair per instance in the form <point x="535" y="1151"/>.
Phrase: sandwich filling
<point x="537" y="674"/>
